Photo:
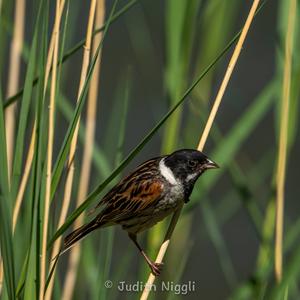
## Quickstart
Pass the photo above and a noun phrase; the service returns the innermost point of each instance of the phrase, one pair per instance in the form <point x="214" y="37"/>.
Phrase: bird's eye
<point x="192" y="163"/>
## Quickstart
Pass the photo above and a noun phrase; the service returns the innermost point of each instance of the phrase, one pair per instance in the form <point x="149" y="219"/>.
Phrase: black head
<point x="188" y="164"/>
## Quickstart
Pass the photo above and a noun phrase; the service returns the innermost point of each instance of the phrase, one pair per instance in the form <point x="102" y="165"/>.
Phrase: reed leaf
<point x="77" y="47"/>
<point x="6" y="242"/>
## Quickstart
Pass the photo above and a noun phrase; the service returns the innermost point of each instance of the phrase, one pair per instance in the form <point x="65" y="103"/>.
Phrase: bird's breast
<point x="172" y="198"/>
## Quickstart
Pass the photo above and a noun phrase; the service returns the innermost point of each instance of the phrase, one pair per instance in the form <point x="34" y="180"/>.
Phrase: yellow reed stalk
<point x="22" y="187"/>
<point x="70" y="174"/>
<point x="13" y="78"/>
<point x="12" y="88"/>
<point x="30" y="154"/>
<point x="87" y="154"/>
<point x="29" y="158"/>
<point x="51" y="47"/>
<point x="283" y="139"/>
<point x="203" y="138"/>
<point x="89" y="144"/>
<point x="49" y="152"/>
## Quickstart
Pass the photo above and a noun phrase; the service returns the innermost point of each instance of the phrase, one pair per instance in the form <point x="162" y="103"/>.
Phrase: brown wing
<point x="129" y="198"/>
<point x="132" y="203"/>
<point x="133" y="194"/>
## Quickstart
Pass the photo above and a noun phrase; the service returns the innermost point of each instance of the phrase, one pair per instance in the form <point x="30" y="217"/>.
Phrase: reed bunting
<point x="151" y="192"/>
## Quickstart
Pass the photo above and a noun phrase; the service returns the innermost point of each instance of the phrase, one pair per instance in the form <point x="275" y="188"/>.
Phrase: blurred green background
<point x="151" y="55"/>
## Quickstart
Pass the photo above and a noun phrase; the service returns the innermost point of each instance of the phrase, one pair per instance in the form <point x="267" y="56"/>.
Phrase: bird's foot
<point x="156" y="268"/>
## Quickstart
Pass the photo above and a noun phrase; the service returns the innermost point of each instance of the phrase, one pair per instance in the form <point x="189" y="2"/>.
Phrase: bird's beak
<point x="210" y="164"/>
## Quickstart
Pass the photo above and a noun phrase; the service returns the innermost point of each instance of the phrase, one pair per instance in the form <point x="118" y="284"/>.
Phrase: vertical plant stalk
<point x="13" y="77"/>
<point x="70" y="168"/>
<point x="208" y="125"/>
<point x="85" y="64"/>
<point x="176" y="15"/>
<point x="227" y="76"/>
<point x="12" y="88"/>
<point x="25" y="176"/>
<point x="49" y="151"/>
<point x="30" y="154"/>
<point x="283" y="139"/>
<point x="90" y="133"/>
<point x="87" y="154"/>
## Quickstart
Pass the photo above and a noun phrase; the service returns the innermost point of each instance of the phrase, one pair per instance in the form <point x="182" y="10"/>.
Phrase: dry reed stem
<point x="67" y="293"/>
<point x="85" y="64"/>
<point x="70" y="174"/>
<point x="283" y="139"/>
<point x="12" y="88"/>
<point x="22" y="187"/>
<point x="13" y="78"/>
<point x="51" y="47"/>
<point x="30" y="155"/>
<point x="87" y="154"/>
<point x="203" y="138"/>
<point x="49" y="151"/>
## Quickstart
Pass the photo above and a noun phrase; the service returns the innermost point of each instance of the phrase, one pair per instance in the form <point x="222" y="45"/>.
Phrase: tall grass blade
<point x="283" y="138"/>
<point x="108" y="239"/>
<point x="6" y="243"/>
<point x="25" y="104"/>
<point x="219" y="243"/>
<point x="57" y="171"/>
<point x="77" y="47"/>
<point x="37" y="179"/>
<point x="100" y="159"/>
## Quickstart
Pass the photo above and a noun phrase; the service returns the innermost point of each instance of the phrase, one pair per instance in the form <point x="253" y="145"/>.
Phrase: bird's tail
<point x="78" y="234"/>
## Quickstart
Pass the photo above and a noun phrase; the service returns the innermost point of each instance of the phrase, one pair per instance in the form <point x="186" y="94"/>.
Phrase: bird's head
<point x="186" y="165"/>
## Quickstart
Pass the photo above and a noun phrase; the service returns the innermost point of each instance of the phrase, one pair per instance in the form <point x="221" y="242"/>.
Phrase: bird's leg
<point x="155" y="267"/>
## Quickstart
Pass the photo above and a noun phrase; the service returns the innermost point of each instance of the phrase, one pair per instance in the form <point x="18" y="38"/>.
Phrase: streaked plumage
<point x="150" y="193"/>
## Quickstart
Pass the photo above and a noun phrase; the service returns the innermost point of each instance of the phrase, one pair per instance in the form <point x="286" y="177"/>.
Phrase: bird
<point x="154" y="190"/>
